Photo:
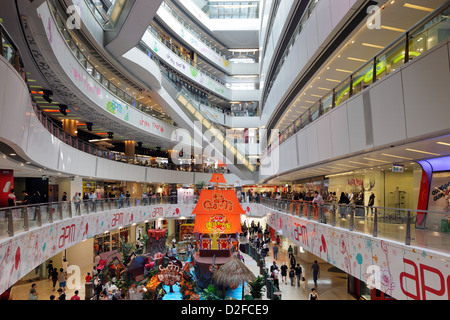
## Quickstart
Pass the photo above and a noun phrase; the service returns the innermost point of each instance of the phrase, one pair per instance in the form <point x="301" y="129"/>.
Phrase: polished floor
<point x="332" y="284"/>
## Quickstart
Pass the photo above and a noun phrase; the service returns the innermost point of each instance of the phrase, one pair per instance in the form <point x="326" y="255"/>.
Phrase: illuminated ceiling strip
<point x="342" y="70"/>
<point x="393" y="29"/>
<point x="443" y="143"/>
<point x="393" y="156"/>
<point x="413" y="6"/>
<point x="356" y="59"/>
<point x="370" y="159"/>
<point x="420" y="151"/>
<point x="364" y="164"/>
<point x="372" y="45"/>
<point x="333" y="80"/>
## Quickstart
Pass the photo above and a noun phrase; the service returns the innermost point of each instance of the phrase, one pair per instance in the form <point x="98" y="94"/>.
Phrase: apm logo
<point x="74" y="19"/>
<point x="374" y="19"/>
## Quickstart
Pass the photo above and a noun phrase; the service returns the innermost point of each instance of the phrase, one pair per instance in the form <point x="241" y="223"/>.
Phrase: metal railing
<point x="406" y="225"/>
<point x="14" y="220"/>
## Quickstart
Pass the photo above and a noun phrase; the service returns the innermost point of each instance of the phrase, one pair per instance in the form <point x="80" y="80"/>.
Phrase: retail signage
<point x="171" y="274"/>
<point x="397" y="168"/>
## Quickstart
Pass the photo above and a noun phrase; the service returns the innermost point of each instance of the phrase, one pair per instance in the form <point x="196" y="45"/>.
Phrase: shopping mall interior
<point x="225" y="150"/>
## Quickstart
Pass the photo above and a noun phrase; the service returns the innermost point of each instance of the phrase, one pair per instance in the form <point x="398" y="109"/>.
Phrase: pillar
<point x="130" y="148"/>
<point x="70" y="126"/>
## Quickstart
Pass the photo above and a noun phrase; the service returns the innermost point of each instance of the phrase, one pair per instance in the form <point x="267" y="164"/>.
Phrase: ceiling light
<point x="425" y="152"/>
<point x="342" y="70"/>
<point x="372" y="45"/>
<point x="333" y="80"/>
<point x="321" y="88"/>
<point x="443" y="143"/>
<point x="370" y="159"/>
<point x="413" y="6"/>
<point x="356" y="59"/>
<point x="391" y="155"/>
<point x="393" y="29"/>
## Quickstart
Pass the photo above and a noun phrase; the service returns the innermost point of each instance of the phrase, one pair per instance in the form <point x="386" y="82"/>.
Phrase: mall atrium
<point x="317" y="131"/>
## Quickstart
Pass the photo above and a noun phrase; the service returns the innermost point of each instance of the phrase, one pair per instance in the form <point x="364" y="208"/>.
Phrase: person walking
<point x="50" y="269"/>
<point x="75" y="296"/>
<point x="33" y="293"/>
<point x="316" y="271"/>
<point x="371" y="203"/>
<point x="62" y="279"/>
<point x="62" y="295"/>
<point x="313" y="294"/>
<point x="276" y="282"/>
<point x="284" y="268"/>
<point x="275" y="252"/>
<point x="292" y="275"/>
<point x="298" y="274"/>
<point x="54" y="277"/>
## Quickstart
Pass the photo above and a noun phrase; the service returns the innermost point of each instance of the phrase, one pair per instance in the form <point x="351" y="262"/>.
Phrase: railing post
<point x="309" y="210"/>
<point x="374" y="76"/>
<point x="352" y="217"/>
<point x="10" y="223"/>
<point x="70" y="210"/>
<point x="49" y="212"/>
<point x="406" y="48"/>
<point x="38" y="215"/>
<point x="375" y="224"/>
<point x="408" y="229"/>
<point x="333" y="215"/>
<point x="60" y="210"/>
<point x="25" y="219"/>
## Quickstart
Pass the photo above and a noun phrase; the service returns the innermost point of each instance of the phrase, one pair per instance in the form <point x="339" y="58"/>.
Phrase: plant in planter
<point x="257" y="287"/>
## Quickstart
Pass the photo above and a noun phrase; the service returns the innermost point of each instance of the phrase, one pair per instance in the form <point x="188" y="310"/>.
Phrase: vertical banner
<point x="6" y="184"/>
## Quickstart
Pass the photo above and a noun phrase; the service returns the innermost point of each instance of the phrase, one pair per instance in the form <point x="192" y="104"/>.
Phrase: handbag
<point x="32" y="297"/>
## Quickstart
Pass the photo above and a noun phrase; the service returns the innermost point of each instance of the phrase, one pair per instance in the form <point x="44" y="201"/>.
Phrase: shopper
<point x="65" y="264"/>
<point x="343" y="200"/>
<point x="290" y="251"/>
<point x="292" y="261"/>
<point x="292" y="275"/>
<point x="284" y="268"/>
<point x="12" y="199"/>
<point x="54" y="277"/>
<point x="275" y="275"/>
<point x="50" y="269"/>
<point x="371" y="203"/>
<point x="88" y="277"/>
<point x="75" y="296"/>
<point x="76" y="201"/>
<point x="275" y="252"/>
<point x="62" y="279"/>
<point x="33" y="293"/>
<point x="62" y="295"/>
<point x="316" y="271"/>
<point x="52" y="297"/>
<point x="298" y="273"/>
<point x="26" y="198"/>
<point x="64" y="197"/>
<point x="313" y="294"/>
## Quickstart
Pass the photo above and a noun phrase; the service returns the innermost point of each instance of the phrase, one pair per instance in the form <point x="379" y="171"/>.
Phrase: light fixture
<point x="393" y="156"/>
<point x="392" y="28"/>
<point x="443" y="143"/>
<point x="372" y="45"/>
<point x="356" y="59"/>
<point x="370" y="159"/>
<point x="424" y="152"/>
<point x="413" y="6"/>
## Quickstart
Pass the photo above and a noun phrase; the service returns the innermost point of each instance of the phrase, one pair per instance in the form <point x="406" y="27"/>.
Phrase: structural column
<point x="130" y="148"/>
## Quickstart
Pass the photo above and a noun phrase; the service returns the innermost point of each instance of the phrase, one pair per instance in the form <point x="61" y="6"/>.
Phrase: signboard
<point x="171" y="274"/>
<point x="397" y="168"/>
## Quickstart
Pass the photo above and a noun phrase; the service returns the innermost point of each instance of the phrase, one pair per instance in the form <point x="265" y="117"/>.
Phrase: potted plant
<point x="257" y="288"/>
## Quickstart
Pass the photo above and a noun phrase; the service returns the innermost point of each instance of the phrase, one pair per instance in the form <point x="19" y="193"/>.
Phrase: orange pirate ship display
<point x="217" y="227"/>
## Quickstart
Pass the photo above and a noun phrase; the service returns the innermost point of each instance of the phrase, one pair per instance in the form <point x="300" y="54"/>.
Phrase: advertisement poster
<point x="185" y="196"/>
<point x="440" y="192"/>
<point x="6" y="184"/>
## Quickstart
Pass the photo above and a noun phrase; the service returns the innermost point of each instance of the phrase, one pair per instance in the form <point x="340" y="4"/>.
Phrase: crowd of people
<point x="261" y="240"/>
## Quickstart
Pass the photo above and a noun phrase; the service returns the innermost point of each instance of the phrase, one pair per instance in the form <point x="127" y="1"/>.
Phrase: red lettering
<point x="414" y="277"/>
<point x="426" y="288"/>
<point x="68" y="233"/>
<point x="117" y="220"/>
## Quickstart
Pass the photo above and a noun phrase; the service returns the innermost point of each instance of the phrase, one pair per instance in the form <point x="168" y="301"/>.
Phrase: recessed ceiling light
<point x="321" y="88"/>
<point x="12" y="154"/>
<point x="424" y="152"/>
<point x="443" y="143"/>
<point x="333" y="80"/>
